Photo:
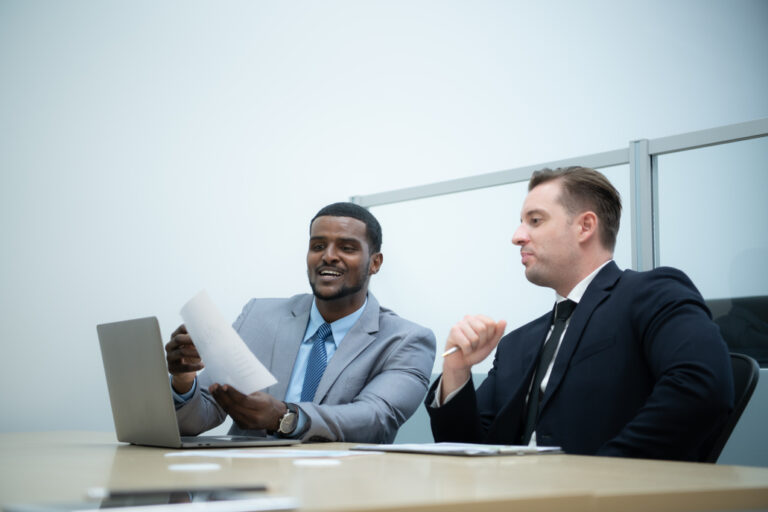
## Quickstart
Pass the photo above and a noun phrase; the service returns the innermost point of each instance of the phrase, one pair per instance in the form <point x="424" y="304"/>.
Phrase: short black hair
<point x="372" y="226"/>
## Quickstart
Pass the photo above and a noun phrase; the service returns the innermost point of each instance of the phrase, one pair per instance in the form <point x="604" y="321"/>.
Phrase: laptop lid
<point x="140" y="391"/>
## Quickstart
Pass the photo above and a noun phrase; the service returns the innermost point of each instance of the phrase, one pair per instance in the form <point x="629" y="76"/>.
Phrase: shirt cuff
<point x="182" y="398"/>
<point x="439" y="391"/>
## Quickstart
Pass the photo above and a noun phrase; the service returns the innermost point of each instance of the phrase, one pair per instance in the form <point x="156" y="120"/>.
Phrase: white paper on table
<point x="471" y="449"/>
<point x="226" y="358"/>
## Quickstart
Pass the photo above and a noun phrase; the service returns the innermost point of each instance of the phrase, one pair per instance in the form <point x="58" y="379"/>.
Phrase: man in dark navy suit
<point x="628" y="364"/>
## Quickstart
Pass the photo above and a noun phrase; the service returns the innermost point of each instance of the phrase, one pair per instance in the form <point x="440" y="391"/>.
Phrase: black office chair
<point x="745" y="375"/>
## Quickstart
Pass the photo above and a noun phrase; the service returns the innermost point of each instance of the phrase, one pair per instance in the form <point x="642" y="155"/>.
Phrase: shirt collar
<point x="339" y="328"/>
<point x="578" y="291"/>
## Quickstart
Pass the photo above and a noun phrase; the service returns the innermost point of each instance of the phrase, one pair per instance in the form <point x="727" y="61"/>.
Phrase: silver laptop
<point x="140" y="390"/>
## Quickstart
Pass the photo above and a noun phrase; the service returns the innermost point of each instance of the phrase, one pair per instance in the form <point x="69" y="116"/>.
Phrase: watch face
<point x="288" y="423"/>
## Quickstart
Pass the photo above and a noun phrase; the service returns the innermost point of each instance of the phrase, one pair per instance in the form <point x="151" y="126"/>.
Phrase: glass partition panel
<point x="713" y="224"/>
<point x="619" y="177"/>
<point x="452" y="255"/>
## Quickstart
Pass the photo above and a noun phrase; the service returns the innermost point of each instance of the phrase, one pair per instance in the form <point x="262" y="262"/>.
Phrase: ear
<point x="375" y="263"/>
<point x="586" y="224"/>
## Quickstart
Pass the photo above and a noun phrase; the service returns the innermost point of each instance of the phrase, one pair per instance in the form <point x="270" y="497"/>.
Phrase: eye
<point x="535" y="221"/>
<point x="349" y="248"/>
<point x="316" y="247"/>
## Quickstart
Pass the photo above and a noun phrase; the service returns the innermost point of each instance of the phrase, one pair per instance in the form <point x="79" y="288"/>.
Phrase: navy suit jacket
<point x="642" y="371"/>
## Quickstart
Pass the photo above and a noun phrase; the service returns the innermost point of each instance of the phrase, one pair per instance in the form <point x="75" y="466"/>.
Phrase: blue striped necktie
<point x="318" y="359"/>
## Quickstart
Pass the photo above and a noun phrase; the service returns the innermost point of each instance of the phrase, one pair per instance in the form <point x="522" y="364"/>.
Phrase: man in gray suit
<point x="347" y="369"/>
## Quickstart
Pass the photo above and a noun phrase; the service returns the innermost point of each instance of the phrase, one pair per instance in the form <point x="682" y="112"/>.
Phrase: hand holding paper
<point x="226" y="357"/>
<point x="252" y="411"/>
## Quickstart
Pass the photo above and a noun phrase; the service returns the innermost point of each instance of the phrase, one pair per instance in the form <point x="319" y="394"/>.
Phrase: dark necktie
<point x="563" y="310"/>
<point x="318" y="359"/>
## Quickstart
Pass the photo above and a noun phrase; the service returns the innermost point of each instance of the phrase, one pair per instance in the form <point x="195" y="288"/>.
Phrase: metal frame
<point x="641" y="157"/>
<point x="491" y="179"/>
<point x="641" y="185"/>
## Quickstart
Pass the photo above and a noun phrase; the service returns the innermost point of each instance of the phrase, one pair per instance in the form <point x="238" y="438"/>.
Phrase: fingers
<point x="229" y="399"/>
<point x="501" y="326"/>
<point x="228" y="393"/>
<point x="182" y="329"/>
<point x="180" y="339"/>
<point x="475" y="337"/>
<point x="255" y="411"/>
<point x="221" y="395"/>
<point x="181" y="353"/>
<point x="469" y="333"/>
<point x="475" y="332"/>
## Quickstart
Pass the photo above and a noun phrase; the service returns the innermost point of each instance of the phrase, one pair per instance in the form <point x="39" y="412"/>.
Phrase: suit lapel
<point x="507" y="423"/>
<point x="359" y="337"/>
<point x="289" y="333"/>
<point x="597" y="291"/>
<point x="533" y="343"/>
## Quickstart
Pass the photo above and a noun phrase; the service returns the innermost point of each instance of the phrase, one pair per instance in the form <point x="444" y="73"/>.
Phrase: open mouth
<point x="327" y="272"/>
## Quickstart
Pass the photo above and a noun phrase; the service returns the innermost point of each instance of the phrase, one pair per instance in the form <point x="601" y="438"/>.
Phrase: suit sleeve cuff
<point x="439" y="391"/>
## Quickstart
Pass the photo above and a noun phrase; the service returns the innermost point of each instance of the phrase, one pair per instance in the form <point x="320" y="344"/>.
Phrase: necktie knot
<point x="323" y="332"/>
<point x="564" y="309"/>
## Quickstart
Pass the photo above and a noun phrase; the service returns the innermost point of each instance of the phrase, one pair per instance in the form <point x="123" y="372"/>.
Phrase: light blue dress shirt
<point x="339" y="329"/>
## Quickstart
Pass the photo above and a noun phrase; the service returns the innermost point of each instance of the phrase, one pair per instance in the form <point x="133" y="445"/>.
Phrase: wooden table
<point x="60" y="466"/>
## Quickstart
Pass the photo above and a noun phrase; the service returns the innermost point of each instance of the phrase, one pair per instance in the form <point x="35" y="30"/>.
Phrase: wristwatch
<point x="289" y="420"/>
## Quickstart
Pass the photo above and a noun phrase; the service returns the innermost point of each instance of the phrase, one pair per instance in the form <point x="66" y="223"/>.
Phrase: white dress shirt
<point x="575" y="295"/>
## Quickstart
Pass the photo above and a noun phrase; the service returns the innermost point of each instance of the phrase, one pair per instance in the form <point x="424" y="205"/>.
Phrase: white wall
<point x="150" y="149"/>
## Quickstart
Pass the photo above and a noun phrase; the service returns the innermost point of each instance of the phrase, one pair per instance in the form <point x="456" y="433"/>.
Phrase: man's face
<point x="547" y="238"/>
<point x="339" y="262"/>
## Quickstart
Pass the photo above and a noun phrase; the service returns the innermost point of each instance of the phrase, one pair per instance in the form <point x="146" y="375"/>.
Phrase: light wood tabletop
<point x="46" y="467"/>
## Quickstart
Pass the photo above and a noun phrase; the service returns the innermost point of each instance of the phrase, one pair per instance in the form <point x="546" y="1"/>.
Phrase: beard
<point x="344" y="291"/>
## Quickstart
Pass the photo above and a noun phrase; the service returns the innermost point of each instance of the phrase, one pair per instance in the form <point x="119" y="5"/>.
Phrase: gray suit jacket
<point x="376" y="379"/>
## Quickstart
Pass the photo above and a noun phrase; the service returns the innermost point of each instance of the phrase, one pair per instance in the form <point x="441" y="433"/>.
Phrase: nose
<point x="520" y="237"/>
<point x="330" y="254"/>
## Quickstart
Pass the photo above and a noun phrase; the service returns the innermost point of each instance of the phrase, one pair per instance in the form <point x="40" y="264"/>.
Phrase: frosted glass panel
<point x="713" y="224"/>
<point x="619" y="177"/>
<point x="452" y="255"/>
<point x="713" y="216"/>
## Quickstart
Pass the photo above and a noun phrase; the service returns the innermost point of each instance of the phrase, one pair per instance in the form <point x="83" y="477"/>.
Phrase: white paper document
<point x="469" y="449"/>
<point x="226" y="358"/>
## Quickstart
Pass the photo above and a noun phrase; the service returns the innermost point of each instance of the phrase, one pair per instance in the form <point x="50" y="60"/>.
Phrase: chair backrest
<point x="745" y="374"/>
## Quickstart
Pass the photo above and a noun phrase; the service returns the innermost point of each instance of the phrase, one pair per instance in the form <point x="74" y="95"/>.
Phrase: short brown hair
<point x="586" y="189"/>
